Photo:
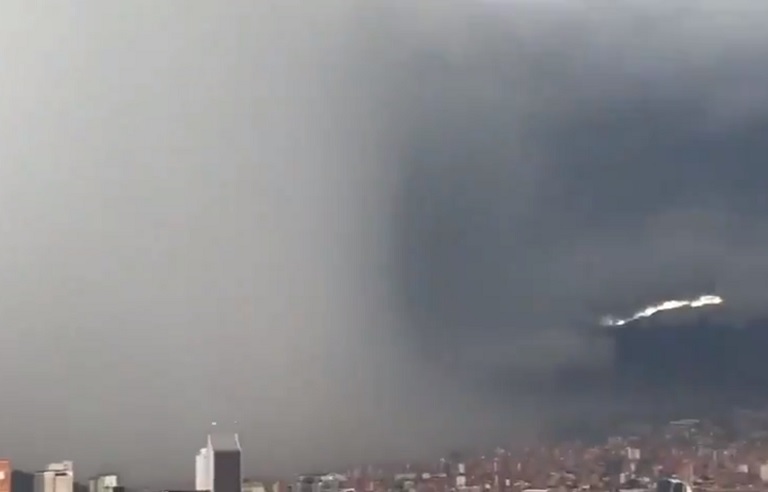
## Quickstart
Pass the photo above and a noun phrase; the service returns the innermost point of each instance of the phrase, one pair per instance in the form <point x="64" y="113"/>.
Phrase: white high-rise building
<point x="58" y="477"/>
<point x="203" y="470"/>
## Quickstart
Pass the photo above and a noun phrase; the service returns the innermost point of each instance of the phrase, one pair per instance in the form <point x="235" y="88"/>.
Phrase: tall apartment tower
<point x="203" y="471"/>
<point x="58" y="477"/>
<point x="217" y="466"/>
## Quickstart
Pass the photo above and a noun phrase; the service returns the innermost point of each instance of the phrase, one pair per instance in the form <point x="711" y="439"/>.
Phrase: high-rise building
<point x="58" y="477"/>
<point x="103" y="483"/>
<point x="6" y="472"/>
<point x="203" y="470"/>
<point x="218" y="465"/>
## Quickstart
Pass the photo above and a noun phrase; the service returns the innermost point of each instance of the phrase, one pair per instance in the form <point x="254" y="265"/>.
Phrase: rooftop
<point x="224" y="442"/>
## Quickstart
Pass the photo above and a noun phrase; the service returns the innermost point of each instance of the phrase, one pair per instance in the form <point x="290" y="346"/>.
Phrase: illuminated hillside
<point x="710" y="348"/>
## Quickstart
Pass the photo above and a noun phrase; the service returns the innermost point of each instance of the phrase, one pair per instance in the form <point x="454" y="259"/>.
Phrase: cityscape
<point x="677" y="456"/>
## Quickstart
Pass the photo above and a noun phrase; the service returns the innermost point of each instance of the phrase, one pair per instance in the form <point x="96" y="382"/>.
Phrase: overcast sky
<point x="334" y="222"/>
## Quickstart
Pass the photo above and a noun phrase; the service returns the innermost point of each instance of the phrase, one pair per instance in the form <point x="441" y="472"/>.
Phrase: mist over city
<point x="356" y="232"/>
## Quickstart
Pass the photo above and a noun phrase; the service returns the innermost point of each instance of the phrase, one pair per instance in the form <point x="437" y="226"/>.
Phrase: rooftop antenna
<point x="212" y="428"/>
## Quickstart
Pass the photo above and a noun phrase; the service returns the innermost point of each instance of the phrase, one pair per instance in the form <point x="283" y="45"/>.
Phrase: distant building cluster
<point x="689" y="455"/>
<point x="217" y="469"/>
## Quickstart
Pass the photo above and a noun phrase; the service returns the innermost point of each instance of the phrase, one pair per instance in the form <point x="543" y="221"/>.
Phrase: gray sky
<point x="332" y="223"/>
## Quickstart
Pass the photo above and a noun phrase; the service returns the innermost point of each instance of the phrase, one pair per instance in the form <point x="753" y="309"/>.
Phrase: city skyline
<point x="700" y="452"/>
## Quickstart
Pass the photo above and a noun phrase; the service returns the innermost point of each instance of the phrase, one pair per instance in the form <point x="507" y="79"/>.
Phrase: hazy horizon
<point x="360" y="230"/>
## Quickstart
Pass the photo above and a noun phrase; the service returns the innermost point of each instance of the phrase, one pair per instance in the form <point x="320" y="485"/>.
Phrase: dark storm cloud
<point x="298" y="215"/>
<point x="562" y="161"/>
